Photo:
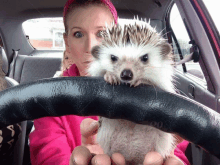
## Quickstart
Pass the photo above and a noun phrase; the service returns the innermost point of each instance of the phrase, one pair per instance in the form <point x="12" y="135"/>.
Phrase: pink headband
<point x="107" y="2"/>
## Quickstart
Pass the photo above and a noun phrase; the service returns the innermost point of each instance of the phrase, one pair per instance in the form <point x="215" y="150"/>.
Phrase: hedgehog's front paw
<point x="111" y="78"/>
<point x="136" y="83"/>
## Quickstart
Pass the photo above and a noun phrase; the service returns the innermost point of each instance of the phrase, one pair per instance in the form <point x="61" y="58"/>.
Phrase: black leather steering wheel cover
<point x="86" y="96"/>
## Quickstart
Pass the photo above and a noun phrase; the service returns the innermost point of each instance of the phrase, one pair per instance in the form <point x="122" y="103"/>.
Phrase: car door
<point x="189" y="32"/>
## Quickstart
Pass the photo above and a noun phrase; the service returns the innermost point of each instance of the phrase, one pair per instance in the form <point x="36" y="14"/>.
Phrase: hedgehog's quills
<point x="133" y="53"/>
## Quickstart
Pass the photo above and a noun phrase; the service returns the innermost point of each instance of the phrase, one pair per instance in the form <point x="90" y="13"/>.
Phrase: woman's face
<point x="84" y="27"/>
<point x="67" y="61"/>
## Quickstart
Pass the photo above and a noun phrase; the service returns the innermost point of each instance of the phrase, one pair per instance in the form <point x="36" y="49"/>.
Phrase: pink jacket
<point x="54" y="138"/>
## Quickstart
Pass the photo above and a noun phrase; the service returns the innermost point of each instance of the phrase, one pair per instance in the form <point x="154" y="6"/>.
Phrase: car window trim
<point x="209" y="26"/>
<point x="171" y="34"/>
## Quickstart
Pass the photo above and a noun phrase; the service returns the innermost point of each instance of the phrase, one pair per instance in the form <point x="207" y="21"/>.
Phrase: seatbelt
<point x="12" y="65"/>
<point x="19" y="147"/>
<point x="197" y="153"/>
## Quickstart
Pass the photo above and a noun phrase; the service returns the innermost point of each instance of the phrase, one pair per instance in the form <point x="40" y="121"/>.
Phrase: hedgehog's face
<point x="132" y="64"/>
<point x="148" y="63"/>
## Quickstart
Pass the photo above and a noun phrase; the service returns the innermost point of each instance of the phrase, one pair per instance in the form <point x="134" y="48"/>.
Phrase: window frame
<point x="170" y="35"/>
<point x="211" y="24"/>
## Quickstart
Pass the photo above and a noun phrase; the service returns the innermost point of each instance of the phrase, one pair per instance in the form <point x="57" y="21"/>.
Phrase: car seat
<point x="19" y="146"/>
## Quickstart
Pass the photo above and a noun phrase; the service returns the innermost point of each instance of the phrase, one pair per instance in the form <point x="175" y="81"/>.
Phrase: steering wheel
<point x="89" y="96"/>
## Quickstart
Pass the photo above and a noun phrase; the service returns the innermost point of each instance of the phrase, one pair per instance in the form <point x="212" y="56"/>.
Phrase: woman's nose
<point x="90" y="43"/>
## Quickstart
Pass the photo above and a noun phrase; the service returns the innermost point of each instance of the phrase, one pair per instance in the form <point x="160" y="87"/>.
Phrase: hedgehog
<point x="133" y="53"/>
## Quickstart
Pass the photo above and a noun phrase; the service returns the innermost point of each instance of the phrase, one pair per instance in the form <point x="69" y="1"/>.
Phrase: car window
<point x="213" y="9"/>
<point x="183" y="39"/>
<point x="45" y="33"/>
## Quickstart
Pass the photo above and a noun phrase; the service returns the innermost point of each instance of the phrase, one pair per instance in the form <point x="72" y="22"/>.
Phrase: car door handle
<point x="191" y="91"/>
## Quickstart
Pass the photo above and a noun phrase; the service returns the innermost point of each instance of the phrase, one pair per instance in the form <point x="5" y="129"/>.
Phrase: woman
<point x="55" y="138"/>
<point x="66" y="63"/>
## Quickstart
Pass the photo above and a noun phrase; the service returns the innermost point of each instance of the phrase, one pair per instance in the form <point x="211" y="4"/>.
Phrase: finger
<point x="101" y="160"/>
<point x="88" y="128"/>
<point x="95" y="148"/>
<point x="153" y="158"/>
<point x="118" y="159"/>
<point x="173" y="160"/>
<point x="80" y="155"/>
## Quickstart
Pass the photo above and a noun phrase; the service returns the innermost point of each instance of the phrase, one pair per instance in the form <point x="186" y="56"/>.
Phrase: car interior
<point x="198" y="80"/>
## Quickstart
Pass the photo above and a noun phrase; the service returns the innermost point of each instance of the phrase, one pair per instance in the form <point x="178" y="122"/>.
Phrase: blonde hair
<point x="62" y="64"/>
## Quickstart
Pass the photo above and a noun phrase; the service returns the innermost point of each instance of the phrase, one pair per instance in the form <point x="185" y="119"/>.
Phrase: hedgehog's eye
<point x="144" y="58"/>
<point x="114" y="58"/>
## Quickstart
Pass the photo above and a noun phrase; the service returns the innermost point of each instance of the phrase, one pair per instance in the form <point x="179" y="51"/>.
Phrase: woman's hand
<point x="89" y="151"/>
<point x="154" y="158"/>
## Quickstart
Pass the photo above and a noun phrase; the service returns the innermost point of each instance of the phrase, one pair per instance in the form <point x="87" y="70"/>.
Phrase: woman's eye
<point x="114" y="58"/>
<point x="144" y="58"/>
<point x="78" y="34"/>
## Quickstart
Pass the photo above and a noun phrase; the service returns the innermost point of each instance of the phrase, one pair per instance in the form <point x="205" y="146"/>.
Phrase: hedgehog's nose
<point x="126" y="75"/>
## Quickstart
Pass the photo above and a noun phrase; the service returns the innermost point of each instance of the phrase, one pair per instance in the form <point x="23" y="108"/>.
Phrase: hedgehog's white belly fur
<point x="132" y="140"/>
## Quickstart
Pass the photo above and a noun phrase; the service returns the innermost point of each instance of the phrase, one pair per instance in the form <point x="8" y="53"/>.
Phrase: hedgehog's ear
<point x="95" y="51"/>
<point x="166" y="49"/>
